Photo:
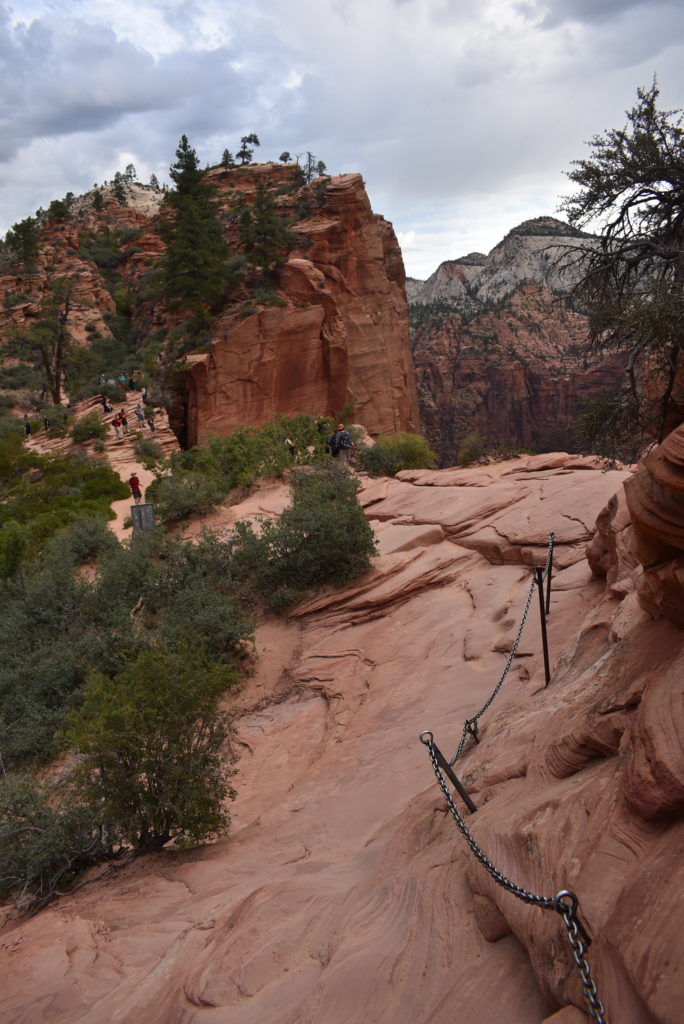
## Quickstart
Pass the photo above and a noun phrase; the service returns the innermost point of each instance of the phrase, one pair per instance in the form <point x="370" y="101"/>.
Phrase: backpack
<point x="345" y="440"/>
<point x="334" y="444"/>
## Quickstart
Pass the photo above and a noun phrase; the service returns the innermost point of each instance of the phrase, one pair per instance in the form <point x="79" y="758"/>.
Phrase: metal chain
<point x="568" y="912"/>
<point x="578" y="938"/>
<point x="470" y="724"/>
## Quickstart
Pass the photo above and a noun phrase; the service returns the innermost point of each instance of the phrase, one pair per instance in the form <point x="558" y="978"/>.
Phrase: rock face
<point x="339" y="339"/>
<point x="345" y="893"/>
<point x="497" y="353"/>
<point x="329" y="334"/>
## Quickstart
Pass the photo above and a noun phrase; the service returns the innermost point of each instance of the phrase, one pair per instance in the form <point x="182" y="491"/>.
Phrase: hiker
<point x="150" y="421"/>
<point x="340" y="445"/>
<point x="134" y="484"/>
<point x="116" y="423"/>
<point x="291" y="447"/>
<point x="124" y="421"/>
<point x="139" y="415"/>
<point x="46" y="423"/>
<point x="143" y="394"/>
<point x="27" y="426"/>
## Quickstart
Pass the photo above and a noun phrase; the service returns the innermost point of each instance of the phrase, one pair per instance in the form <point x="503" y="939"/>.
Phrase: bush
<point x="322" y="538"/>
<point x="394" y="452"/>
<point x="151" y="744"/>
<point x="44" y="842"/>
<point x="149" y="452"/>
<point x="88" y="427"/>
<point x="472" y="447"/>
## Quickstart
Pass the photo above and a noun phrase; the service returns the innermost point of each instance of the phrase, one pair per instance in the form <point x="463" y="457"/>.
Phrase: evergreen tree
<point x="119" y="190"/>
<point x="48" y="340"/>
<point x="227" y="160"/>
<point x="154" y="181"/>
<point x="22" y="239"/>
<point x="246" y="151"/>
<point x="195" y="271"/>
<point x="263" y="232"/>
<point x="633" y="277"/>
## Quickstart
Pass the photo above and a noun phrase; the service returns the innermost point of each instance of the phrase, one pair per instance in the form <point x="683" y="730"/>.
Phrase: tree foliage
<point x="632" y="281"/>
<point x="263" y="232"/>
<point x="150" y="742"/>
<point x="47" y="341"/>
<point x="195" y="264"/>
<point x="246" y="150"/>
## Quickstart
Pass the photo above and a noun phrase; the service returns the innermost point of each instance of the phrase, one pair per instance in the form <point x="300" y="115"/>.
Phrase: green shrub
<point x="322" y="538"/>
<point x="472" y="447"/>
<point x="44" y="841"/>
<point x="148" y="452"/>
<point x="88" y="427"/>
<point x="394" y="452"/>
<point x="150" y="742"/>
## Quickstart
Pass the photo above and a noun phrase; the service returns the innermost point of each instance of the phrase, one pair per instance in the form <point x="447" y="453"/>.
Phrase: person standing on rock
<point x="116" y="423"/>
<point x="134" y="484"/>
<point x="139" y="415"/>
<point x="150" y="421"/>
<point x="340" y="445"/>
<point x="143" y="394"/>
<point x="124" y="421"/>
<point x="27" y="426"/>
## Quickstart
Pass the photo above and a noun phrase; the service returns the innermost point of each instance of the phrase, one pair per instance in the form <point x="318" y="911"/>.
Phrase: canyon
<point x="497" y="350"/>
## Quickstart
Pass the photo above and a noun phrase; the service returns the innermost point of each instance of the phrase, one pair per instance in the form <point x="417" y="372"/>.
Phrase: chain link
<point x="470" y="725"/>
<point x="578" y="943"/>
<point x="577" y="937"/>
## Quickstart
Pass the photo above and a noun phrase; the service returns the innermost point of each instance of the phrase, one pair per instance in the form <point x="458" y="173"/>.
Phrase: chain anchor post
<point x="427" y="738"/>
<point x="539" y="580"/>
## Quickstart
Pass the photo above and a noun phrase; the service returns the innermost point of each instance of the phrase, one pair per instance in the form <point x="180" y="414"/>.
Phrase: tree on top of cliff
<point x="632" y="283"/>
<point x="22" y="240"/>
<point x="195" y="272"/>
<point x="263" y="233"/>
<point x="246" y="150"/>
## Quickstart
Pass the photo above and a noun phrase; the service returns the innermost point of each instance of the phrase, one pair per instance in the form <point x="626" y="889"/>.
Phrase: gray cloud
<point x="439" y="103"/>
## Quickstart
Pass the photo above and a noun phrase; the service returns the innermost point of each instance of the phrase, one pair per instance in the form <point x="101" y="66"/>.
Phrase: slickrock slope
<point x="345" y="893"/>
<point x="495" y="350"/>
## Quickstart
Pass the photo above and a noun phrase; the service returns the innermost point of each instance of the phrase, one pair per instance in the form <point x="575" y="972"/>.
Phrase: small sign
<point x="142" y="517"/>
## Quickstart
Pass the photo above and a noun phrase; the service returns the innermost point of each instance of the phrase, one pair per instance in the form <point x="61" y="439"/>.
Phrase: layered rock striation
<point x="345" y="892"/>
<point x="339" y="339"/>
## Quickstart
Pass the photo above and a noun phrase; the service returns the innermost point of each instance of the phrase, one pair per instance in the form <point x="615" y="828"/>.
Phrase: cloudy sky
<point x="462" y="115"/>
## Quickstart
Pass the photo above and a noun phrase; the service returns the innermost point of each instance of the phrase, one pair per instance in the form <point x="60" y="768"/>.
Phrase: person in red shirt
<point x="116" y="423"/>
<point x="134" y="484"/>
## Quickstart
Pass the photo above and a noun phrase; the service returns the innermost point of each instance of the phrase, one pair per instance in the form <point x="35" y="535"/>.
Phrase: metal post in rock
<point x="539" y="579"/>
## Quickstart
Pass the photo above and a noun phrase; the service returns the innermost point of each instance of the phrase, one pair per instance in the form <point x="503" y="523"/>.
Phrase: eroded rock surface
<point x="345" y="892"/>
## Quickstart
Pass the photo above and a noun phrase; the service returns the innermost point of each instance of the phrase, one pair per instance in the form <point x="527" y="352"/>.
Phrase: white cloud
<point x="461" y="114"/>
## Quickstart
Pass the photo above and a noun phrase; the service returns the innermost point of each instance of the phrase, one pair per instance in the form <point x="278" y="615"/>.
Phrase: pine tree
<point x="22" y="239"/>
<point x="263" y="232"/>
<point x="195" y="271"/>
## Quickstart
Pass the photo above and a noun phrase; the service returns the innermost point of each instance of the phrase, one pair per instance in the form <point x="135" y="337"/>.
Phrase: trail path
<point x="119" y="453"/>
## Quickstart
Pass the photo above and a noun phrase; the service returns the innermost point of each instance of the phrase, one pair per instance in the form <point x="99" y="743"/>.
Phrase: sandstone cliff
<point x="345" y="892"/>
<point x="496" y="351"/>
<point x="339" y="339"/>
<point x="329" y="333"/>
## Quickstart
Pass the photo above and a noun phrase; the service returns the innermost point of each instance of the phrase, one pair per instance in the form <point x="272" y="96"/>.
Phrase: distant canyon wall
<point x="498" y="353"/>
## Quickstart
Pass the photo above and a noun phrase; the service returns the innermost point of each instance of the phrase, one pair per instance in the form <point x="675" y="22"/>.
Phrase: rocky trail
<point x="344" y="892"/>
<point x="120" y="453"/>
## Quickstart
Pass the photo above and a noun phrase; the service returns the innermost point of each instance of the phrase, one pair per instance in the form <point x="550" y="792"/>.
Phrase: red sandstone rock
<point x="346" y="893"/>
<point x="341" y="337"/>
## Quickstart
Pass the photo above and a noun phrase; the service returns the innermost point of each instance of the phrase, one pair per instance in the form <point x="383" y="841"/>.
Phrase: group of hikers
<point x="143" y="411"/>
<point x="339" y="444"/>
